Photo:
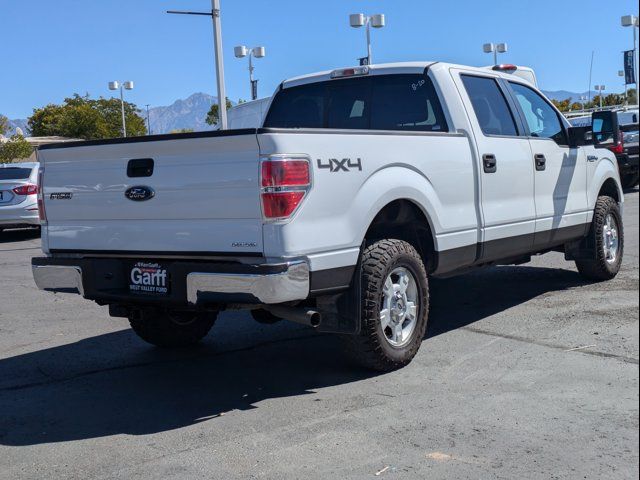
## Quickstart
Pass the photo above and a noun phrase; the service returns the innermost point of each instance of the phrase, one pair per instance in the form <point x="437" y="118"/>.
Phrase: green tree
<point x="4" y="124"/>
<point x="182" y="130"/>
<point x="562" y="105"/>
<point x="632" y="96"/>
<point x="16" y="148"/>
<point x="213" y="117"/>
<point x="86" y="118"/>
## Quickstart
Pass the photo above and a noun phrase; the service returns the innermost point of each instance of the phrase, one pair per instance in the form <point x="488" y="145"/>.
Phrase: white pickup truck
<point x="361" y="184"/>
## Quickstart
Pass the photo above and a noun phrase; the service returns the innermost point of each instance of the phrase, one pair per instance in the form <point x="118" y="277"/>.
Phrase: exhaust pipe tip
<point x="303" y="316"/>
<point x="315" y="319"/>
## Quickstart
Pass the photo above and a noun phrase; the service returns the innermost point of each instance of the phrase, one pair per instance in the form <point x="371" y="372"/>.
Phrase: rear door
<point x="560" y="171"/>
<point x="506" y="170"/>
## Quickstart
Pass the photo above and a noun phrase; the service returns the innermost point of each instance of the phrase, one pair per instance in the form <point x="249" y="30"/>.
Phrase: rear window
<point x="384" y="102"/>
<point x="16" y="173"/>
<point x="490" y="106"/>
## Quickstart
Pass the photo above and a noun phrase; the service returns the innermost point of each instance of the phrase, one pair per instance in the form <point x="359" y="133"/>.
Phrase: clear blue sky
<point x="52" y="49"/>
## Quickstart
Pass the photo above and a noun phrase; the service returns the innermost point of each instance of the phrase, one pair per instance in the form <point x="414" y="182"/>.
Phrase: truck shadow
<point x="113" y="384"/>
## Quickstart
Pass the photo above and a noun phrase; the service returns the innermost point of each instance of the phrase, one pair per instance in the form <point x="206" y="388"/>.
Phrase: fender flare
<point x="398" y="182"/>
<point x="606" y="170"/>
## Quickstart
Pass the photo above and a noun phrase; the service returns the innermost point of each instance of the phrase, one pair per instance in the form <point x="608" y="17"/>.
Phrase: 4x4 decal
<point x="345" y="165"/>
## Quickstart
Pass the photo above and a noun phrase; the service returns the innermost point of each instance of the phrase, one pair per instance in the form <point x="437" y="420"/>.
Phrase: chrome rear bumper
<point x="291" y="284"/>
<point x="191" y="284"/>
<point x="58" y="278"/>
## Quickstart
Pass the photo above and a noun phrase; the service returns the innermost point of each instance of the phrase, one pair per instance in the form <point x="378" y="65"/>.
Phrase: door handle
<point x="489" y="163"/>
<point x="541" y="162"/>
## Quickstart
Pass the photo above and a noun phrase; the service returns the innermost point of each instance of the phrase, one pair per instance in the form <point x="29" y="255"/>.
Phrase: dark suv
<point x="627" y="154"/>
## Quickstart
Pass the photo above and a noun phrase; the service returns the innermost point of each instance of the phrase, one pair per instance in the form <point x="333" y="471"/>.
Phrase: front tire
<point x="395" y="305"/>
<point x="171" y="329"/>
<point x="607" y="237"/>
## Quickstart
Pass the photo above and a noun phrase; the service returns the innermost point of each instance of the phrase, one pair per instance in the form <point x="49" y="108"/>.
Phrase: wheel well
<point x="610" y="189"/>
<point x="403" y="220"/>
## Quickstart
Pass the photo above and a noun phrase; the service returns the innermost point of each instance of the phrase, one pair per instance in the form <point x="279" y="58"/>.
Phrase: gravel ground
<point x="526" y="372"/>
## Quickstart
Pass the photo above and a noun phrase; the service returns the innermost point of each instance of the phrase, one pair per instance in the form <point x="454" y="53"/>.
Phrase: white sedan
<point x="19" y="195"/>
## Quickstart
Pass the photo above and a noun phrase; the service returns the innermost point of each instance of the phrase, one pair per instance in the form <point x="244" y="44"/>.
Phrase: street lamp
<point x="600" y="89"/>
<point x="633" y="22"/>
<point x="122" y="86"/>
<point x="148" y="121"/>
<point x="358" y="20"/>
<point x="583" y="100"/>
<point x="219" y="61"/>
<point x="255" y="52"/>
<point x="495" y="48"/>
<point x="623" y="76"/>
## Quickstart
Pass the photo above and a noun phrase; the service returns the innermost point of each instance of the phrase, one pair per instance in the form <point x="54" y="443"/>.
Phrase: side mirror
<point x="580" y="136"/>
<point x="606" y="130"/>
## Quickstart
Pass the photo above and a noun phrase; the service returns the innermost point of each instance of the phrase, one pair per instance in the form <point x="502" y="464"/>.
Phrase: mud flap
<point x="341" y="312"/>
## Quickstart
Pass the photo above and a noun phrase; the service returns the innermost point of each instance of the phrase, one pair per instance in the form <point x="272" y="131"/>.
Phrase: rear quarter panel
<point x="435" y="171"/>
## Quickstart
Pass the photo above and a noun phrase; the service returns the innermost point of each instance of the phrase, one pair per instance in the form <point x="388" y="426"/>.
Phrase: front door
<point x="560" y="171"/>
<point x="506" y="170"/>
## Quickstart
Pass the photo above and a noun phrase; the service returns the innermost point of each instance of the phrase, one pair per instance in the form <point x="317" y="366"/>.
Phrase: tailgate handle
<point x="140" y="167"/>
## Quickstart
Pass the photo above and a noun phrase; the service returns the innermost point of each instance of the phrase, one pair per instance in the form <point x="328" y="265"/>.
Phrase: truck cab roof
<point x="407" y="67"/>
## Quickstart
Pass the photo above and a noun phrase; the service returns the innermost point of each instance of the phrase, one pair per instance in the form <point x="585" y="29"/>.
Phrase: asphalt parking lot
<point x="526" y="372"/>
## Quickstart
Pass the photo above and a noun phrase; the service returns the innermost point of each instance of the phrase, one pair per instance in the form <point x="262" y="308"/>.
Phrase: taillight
<point x="619" y="147"/>
<point x="284" y="183"/>
<point x="29" y="189"/>
<point x="41" y="211"/>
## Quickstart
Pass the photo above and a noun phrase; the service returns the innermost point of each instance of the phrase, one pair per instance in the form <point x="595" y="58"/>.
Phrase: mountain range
<point x="564" y="94"/>
<point x="191" y="112"/>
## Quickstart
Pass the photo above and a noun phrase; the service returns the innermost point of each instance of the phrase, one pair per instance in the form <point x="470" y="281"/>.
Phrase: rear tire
<point x="607" y="236"/>
<point x="393" y="318"/>
<point x="630" y="180"/>
<point x="172" y="329"/>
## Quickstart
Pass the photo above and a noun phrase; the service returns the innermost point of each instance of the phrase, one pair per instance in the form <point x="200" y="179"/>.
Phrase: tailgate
<point x="201" y="198"/>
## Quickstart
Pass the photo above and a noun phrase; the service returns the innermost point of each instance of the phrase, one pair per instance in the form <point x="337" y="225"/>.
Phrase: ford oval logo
<point x="140" y="194"/>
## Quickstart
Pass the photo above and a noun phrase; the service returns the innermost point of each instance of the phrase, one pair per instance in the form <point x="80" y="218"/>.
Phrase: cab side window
<point x="491" y="108"/>
<point x="541" y="118"/>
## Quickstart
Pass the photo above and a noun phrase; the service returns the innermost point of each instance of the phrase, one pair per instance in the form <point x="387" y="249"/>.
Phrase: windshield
<point x="14" y="173"/>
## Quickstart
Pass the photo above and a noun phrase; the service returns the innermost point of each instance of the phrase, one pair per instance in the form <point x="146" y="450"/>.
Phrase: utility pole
<point x="219" y="61"/>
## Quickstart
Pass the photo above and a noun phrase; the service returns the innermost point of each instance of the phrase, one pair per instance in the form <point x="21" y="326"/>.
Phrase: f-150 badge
<point x="345" y="165"/>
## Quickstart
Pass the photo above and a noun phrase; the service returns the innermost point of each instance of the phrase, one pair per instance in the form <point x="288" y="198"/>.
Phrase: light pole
<point x="621" y="74"/>
<point x="219" y="63"/>
<point x="148" y="121"/>
<point x="600" y="89"/>
<point x="122" y="86"/>
<point x="358" y="20"/>
<point x="255" y="52"/>
<point x="633" y="22"/>
<point x="583" y="100"/>
<point x="494" y="48"/>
